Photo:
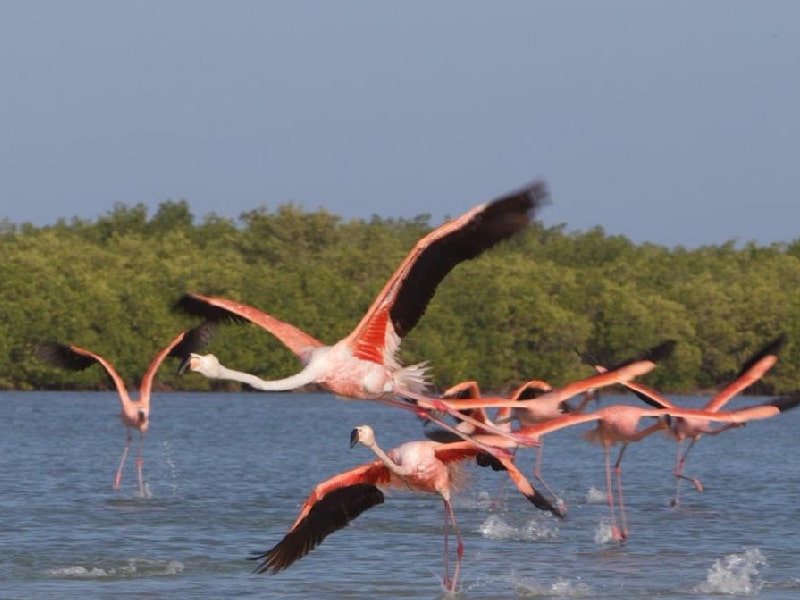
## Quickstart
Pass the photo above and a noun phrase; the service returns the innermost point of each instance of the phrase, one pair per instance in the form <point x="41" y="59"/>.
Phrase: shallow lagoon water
<point x="226" y="474"/>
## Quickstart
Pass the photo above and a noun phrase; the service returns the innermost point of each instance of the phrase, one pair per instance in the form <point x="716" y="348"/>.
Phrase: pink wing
<point x="626" y="371"/>
<point x="221" y="309"/>
<point x="531" y="389"/>
<point x="404" y="298"/>
<point x="465" y="389"/>
<point x="456" y="451"/>
<point x="752" y="370"/>
<point x="76" y="358"/>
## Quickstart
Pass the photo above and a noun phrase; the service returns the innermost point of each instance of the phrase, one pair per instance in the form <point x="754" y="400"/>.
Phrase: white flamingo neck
<point x="292" y="382"/>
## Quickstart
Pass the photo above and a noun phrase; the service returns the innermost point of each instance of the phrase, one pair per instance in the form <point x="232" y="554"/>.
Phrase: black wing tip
<point x="525" y="200"/>
<point x="190" y="304"/>
<point x="771" y="348"/>
<point x="647" y="399"/>
<point x="540" y="502"/>
<point x="484" y="459"/>
<point x="788" y="402"/>
<point x="537" y="193"/>
<point x="61" y="355"/>
<point x="443" y="436"/>
<point x="660" y="352"/>
<point x="655" y="354"/>
<point x="194" y="340"/>
<point x="268" y="562"/>
<point x="587" y="358"/>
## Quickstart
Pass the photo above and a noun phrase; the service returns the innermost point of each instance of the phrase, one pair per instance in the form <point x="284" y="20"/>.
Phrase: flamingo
<point x="624" y="372"/>
<point x="135" y="414"/>
<point x="422" y="466"/>
<point x="363" y="365"/>
<point x="618" y="424"/>
<point x="681" y="429"/>
<point x="530" y="414"/>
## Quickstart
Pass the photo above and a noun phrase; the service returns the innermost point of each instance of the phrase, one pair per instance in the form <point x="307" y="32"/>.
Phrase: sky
<point x="675" y="123"/>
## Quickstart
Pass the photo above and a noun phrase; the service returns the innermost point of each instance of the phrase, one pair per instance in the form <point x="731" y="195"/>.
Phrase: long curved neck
<point x="292" y="382"/>
<point x="386" y="460"/>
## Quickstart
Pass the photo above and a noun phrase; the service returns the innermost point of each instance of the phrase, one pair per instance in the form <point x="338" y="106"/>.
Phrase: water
<point x="226" y="474"/>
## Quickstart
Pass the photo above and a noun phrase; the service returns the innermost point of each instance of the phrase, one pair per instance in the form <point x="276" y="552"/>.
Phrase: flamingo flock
<point x="471" y="428"/>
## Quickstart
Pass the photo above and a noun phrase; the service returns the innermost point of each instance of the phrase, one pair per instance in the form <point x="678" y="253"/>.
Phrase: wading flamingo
<point x="618" y="424"/>
<point x="682" y="429"/>
<point x="135" y="414"/>
<point x="422" y="466"/>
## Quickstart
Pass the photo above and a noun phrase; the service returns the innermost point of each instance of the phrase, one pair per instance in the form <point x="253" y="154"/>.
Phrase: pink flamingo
<point x="422" y="466"/>
<point x="530" y="414"/>
<point x="618" y="424"/>
<point x="681" y="428"/>
<point x="624" y="372"/>
<point x="364" y="365"/>
<point x="135" y="413"/>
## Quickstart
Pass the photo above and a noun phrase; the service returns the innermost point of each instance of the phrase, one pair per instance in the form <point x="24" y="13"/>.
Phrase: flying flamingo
<point x="530" y="414"/>
<point x="135" y="413"/>
<point x="624" y="372"/>
<point x="363" y="365"/>
<point x="422" y="466"/>
<point x="618" y="424"/>
<point x="682" y="429"/>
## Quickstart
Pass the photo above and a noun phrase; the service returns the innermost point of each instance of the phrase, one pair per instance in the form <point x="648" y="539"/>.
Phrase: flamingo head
<point x="363" y="434"/>
<point x="207" y="365"/>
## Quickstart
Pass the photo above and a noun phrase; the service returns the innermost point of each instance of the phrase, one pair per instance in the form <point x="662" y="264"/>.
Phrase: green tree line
<point x="518" y="312"/>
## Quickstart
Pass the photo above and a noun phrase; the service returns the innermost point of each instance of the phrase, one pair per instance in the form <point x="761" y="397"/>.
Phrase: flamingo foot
<point x="617" y="535"/>
<point x="698" y="485"/>
<point x="117" y="480"/>
<point x="674" y="502"/>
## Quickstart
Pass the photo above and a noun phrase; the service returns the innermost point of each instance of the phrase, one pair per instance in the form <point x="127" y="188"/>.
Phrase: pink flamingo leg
<point x="610" y="494"/>
<point x="537" y="473"/>
<point x="679" y="470"/>
<point x="118" y="476"/>
<point x="621" y="500"/>
<point x="139" y="463"/>
<point x="449" y="515"/>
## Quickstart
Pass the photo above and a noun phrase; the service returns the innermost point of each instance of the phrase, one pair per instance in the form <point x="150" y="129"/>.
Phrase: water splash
<point x="131" y="568"/>
<point x="495" y="528"/>
<point x="595" y="496"/>
<point x="563" y="588"/>
<point x="602" y="533"/>
<point x="172" y="467"/>
<point x="527" y="587"/>
<point x="735" y="574"/>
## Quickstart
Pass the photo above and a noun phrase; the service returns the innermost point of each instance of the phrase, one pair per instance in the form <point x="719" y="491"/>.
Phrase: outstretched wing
<point x="186" y="342"/>
<point x="642" y="364"/>
<point x="404" y="298"/>
<point x="751" y="371"/>
<point x="531" y="390"/>
<point x="75" y="358"/>
<point x="330" y="507"/>
<point x="465" y="389"/>
<point x="222" y="309"/>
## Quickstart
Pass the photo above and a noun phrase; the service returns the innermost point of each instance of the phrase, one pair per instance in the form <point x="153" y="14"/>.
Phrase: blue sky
<point x="676" y="122"/>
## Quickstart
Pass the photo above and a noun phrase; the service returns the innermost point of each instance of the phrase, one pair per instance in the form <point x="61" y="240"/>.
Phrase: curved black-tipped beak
<point x="184" y="366"/>
<point x="354" y="437"/>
